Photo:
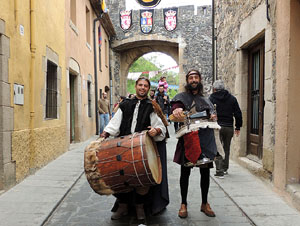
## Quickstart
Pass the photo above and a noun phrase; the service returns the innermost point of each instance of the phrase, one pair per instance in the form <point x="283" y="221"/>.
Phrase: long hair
<point x="188" y="87"/>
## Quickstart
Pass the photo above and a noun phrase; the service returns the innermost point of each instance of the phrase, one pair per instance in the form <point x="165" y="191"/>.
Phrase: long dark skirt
<point x="159" y="194"/>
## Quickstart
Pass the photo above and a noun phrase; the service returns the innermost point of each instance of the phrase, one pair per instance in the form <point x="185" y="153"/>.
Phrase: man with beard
<point x="136" y="115"/>
<point x="193" y="144"/>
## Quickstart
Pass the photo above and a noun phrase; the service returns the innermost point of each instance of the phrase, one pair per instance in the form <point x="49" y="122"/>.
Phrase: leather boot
<point x="183" y="211"/>
<point x="205" y="208"/>
<point x="121" y="211"/>
<point x="140" y="213"/>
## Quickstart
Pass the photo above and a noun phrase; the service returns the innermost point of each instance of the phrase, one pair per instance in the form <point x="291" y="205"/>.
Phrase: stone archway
<point x="126" y="54"/>
<point x="189" y="44"/>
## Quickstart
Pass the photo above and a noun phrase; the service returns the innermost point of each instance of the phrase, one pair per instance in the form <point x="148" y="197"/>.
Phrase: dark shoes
<point x="219" y="174"/>
<point x="140" y="213"/>
<point x="205" y="208"/>
<point x="183" y="211"/>
<point x="121" y="211"/>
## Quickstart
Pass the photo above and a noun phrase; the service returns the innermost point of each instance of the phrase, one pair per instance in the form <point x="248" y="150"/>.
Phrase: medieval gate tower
<point x="190" y="44"/>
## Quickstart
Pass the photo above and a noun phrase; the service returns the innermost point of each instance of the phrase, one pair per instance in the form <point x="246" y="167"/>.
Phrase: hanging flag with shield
<point x="125" y="19"/>
<point x="170" y="18"/>
<point x="146" y="20"/>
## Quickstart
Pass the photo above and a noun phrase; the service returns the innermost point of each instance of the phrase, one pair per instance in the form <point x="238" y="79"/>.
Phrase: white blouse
<point x="113" y="127"/>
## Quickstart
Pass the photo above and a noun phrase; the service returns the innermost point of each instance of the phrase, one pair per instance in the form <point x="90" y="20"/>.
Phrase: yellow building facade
<point x="83" y="32"/>
<point x="47" y="80"/>
<point x="34" y="39"/>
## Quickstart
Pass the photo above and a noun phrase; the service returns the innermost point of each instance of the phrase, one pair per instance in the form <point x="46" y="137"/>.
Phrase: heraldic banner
<point x="148" y="3"/>
<point x="170" y="18"/>
<point x="125" y="19"/>
<point x="146" y="20"/>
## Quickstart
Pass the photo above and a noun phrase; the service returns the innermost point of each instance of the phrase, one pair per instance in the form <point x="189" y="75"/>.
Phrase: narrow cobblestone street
<point x="239" y="199"/>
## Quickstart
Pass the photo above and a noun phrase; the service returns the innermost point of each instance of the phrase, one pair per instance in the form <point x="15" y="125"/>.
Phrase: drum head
<point x="153" y="159"/>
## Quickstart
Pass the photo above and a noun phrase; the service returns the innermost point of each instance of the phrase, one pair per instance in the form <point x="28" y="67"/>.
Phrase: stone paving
<point x="239" y="199"/>
<point x="59" y="194"/>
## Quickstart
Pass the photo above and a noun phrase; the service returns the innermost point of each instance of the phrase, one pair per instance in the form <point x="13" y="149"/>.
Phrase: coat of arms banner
<point x="170" y="18"/>
<point x="146" y="20"/>
<point x="125" y="19"/>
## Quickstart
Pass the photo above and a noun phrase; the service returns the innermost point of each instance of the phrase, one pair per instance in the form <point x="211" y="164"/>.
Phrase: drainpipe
<point x="268" y="8"/>
<point x="110" y="77"/>
<point x="32" y="73"/>
<point x="95" y="73"/>
<point x="213" y="42"/>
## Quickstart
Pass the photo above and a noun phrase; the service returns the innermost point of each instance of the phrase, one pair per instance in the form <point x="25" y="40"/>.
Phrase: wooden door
<point x="256" y="100"/>
<point x="72" y="107"/>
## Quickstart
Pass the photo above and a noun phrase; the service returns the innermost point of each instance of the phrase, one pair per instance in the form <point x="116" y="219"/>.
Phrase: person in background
<point x="163" y="100"/>
<point x="104" y="111"/>
<point x="131" y="96"/>
<point x="162" y="82"/>
<point x="152" y="94"/>
<point x="116" y="106"/>
<point x="227" y="109"/>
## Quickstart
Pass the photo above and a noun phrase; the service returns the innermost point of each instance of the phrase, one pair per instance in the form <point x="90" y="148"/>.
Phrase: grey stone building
<point x="189" y="44"/>
<point x="257" y="52"/>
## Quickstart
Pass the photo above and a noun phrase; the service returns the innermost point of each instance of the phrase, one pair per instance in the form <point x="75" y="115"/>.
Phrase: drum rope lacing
<point x="133" y="161"/>
<point x="142" y="152"/>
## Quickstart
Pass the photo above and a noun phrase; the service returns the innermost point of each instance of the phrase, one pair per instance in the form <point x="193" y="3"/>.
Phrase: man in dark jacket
<point x="227" y="109"/>
<point x="163" y="100"/>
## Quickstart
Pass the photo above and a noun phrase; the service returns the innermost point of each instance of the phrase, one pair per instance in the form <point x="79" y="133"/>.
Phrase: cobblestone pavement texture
<point x="59" y="194"/>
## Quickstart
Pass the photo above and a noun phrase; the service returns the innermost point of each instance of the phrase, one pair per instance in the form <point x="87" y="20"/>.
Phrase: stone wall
<point x="192" y="37"/>
<point x="7" y="166"/>
<point x="238" y="26"/>
<point x="46" y="144"/>
<point x="228" y="18"/>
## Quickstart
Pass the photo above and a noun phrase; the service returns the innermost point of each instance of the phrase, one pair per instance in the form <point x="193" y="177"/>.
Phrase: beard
<point x="199" y="86"/>
<point x="138" y="94"/>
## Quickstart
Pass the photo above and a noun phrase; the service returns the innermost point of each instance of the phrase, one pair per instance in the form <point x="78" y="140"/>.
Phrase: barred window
<point x="51" y="90"/>
<point x="89" y="99"/>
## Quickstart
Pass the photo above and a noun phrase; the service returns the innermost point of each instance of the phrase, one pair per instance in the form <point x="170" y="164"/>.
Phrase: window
<point x="256" y="100"/>
<point x="51" y="90"/>
<point x="88" y="25"/>
<point x="73" y="11"/>
<point x="99" y="46"/>
<point x="89" y="99"/>
<point x="106" y="53"/>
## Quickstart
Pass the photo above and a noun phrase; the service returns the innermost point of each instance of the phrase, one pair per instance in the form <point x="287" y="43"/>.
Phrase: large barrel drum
<point x="121" y="164"/>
